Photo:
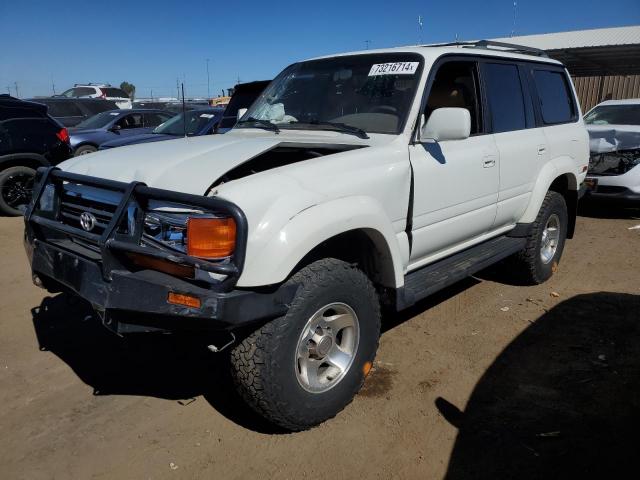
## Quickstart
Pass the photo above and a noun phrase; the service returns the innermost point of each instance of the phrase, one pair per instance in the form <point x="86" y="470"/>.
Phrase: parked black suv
<point x="29" y="138"/>
<point x="71" y="111"/>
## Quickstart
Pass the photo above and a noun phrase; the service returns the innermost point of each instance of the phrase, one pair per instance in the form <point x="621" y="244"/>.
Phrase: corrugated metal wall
<point x="593" y="90"/>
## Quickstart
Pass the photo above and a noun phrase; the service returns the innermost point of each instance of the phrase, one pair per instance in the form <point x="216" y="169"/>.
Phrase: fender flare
<point x="309" y="228"/>
<point x="550" y="171"/>
<point x="14" y="159"/>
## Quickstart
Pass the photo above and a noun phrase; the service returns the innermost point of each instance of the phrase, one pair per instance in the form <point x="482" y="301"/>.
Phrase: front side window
<point x="131" y="121"/>
<point x="614" y="115"/>
<point x="505" y="97"/>
<point x="155" y="119"/>
<point x="98" y="121"/>
<point x="368" y="92"/>
<point x="555" y="100"/>
<point x="456" y="86"/>
<point x="196" y="121"/>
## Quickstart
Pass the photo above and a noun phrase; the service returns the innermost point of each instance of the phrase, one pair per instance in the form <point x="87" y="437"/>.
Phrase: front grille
<point x="74" y="203"/>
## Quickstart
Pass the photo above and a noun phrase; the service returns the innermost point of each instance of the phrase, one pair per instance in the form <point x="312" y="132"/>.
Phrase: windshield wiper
<point x="262" y="123"/>
<point x="339" y="127"/>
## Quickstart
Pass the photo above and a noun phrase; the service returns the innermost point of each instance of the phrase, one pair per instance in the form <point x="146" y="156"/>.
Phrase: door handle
<point x="542" y="149"/>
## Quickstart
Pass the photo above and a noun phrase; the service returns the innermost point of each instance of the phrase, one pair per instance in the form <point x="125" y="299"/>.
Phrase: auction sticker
<point x="394" y="68"/>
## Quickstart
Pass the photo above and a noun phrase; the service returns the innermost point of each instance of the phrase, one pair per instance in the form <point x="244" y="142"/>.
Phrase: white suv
<point x="99" y="90"/>
<point x="614" y="168"/>
<point x="354" y="182"/>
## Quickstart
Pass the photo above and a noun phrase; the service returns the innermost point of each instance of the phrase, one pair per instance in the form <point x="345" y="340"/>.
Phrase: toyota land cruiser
<point x="354" y="182"/>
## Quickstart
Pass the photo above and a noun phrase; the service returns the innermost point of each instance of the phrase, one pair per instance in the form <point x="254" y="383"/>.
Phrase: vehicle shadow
<point x="173" y="367"/>
<point x="592" y="209"/>
<point x="561" y="401"/>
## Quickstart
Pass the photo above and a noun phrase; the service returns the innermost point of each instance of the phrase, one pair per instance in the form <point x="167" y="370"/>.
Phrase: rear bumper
<point x="140" y="298"/>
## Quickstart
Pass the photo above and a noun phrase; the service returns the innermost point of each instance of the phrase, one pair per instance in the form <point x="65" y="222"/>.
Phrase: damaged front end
<point x="614" y="163"/>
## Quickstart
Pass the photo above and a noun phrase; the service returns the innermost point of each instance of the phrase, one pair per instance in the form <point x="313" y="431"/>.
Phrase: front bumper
<point x="611" y="193"/>
<point x="137" y="299"/>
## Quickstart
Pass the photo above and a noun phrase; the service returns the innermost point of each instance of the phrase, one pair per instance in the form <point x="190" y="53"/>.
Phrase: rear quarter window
<point x="114" y="92"/>
<point x="556" y="100"/>
<point x="7" y="113"/>
<point x="64" y="109"/>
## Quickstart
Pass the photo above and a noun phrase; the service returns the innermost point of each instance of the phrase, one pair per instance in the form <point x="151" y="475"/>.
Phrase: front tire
<point x="303" y="368"/>
<point x="84" y="150"/>
<point x="539" y="260"/>
<point x="16" y="189"/>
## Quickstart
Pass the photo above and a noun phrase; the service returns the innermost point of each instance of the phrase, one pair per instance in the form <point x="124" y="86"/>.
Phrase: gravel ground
<point x="487" y="379"/>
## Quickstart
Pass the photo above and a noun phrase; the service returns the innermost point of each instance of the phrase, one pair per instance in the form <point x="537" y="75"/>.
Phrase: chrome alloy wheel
<point x="550" y="239"/>
<point x="326" y="347"/>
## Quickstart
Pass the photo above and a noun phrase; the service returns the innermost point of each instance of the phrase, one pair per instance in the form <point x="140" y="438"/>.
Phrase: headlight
<point x="195" y="233"/>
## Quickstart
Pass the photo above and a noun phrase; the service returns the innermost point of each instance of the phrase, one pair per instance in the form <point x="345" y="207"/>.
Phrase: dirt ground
<point x="485" y="380"/>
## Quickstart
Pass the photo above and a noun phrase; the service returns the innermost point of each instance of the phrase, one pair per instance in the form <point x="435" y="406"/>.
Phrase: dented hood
<point x="188" y="165"/>
<point x="612" y="138"/>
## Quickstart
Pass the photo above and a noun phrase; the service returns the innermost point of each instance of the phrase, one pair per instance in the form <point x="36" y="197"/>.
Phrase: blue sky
<point x="151" y="43"/>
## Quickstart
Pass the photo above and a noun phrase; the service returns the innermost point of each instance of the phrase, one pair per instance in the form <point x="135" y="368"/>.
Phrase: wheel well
<point x="21" y="162"/>
<point x="363" y="247"/>
<point x="566" y="185"/>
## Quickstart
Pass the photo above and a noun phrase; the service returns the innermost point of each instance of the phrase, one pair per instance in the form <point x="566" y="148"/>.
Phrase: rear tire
<point x="16" y="188"/>
<point x="303" y="368"/>
<point x="85" y="149"/>
<point x="539" y="260"/>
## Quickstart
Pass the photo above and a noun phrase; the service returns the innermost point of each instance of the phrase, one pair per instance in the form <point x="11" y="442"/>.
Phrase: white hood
<point x="612" y="138"/>
<point x="190" y="165"/>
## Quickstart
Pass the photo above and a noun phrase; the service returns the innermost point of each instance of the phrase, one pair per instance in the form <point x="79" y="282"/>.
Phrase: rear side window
<point x="114" y="92"/>
<point x="64" y="109"/>
<point x="155" y="119"/>
<point x="556" y="103"/>
<point x="504" y="94"/>
<point x="7" y="113"/>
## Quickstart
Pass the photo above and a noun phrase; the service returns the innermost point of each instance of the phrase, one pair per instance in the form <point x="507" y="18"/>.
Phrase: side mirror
<point x="115" y="128"/>
<point x="241" y="112"/>
<point x="447" y="124"/>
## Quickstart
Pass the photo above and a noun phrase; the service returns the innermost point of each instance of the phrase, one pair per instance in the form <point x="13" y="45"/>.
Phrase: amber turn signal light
<point x="210" y="237"/>
<point x="182" y="299"/>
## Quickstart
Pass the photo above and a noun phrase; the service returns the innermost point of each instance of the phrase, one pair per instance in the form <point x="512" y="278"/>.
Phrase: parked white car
<point x="614" y="167"/>
<point x="99" y="90"/>
<point x="354" y="182"/>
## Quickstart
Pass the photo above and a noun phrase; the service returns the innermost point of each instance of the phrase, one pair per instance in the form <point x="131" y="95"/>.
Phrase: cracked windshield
<point x="354" y="94"/>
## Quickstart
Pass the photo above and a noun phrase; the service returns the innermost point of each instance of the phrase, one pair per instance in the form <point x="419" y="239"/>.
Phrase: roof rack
<point x="499" y="46"/>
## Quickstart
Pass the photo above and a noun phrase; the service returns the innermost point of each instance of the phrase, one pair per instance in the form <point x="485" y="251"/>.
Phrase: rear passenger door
<point x="521" y="144"/>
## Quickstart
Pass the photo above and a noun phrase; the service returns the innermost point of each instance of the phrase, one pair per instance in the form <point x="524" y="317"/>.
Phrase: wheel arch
<point x="352" y="229"/>
<point x="559" y="176"/>
<point x="30" y="160"/>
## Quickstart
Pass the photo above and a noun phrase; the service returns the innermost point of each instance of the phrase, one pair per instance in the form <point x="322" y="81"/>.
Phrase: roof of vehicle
<point x="67" y="99"/>
<point x="626" y="101"/>
<point x="9" y="101"/>
<point x="461" y="48"/>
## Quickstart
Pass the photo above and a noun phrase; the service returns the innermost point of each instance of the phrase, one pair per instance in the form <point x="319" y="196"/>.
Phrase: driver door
<point x="456" y="181"/>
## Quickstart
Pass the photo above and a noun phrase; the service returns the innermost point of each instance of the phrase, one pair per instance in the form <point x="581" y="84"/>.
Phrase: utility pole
<point x="178" y="87"/>
<point x="367" y="43"/>
<point x="9" y="89"/>
<point x="208" y="85"/>
<point x="515" y="14"/>
<point x="420" y="29"/>
<point x="16" y="85"/>
<point x="53" y="85"/>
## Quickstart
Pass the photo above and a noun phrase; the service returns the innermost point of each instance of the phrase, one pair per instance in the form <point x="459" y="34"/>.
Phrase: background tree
<point x="130" y="88"/>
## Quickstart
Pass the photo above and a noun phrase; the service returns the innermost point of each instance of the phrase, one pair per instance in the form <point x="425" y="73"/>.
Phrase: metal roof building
<point x="604" y="62"/>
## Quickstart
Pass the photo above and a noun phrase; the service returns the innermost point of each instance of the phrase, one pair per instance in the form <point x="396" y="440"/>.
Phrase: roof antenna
<point x="515" y="14"/>
<point x="184" y="115"/>
<point x="420" y="29"/>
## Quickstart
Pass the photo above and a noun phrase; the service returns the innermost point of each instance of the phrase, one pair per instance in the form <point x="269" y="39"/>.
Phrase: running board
<point x="427" y="280"/>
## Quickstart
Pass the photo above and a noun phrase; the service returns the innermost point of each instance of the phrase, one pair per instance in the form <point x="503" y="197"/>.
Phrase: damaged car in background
<point x="614" y="166"/>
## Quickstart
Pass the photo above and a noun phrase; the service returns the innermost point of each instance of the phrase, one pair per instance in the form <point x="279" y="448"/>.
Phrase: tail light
<point x="63" y="135"/>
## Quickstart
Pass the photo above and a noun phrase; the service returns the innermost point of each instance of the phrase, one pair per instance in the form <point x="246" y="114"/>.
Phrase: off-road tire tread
<point x="254" y="377"/>
<point x="526" y="259"/>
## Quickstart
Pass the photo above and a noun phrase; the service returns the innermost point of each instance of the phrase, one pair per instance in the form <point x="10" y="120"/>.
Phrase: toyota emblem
<point x="87" y="221"/>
